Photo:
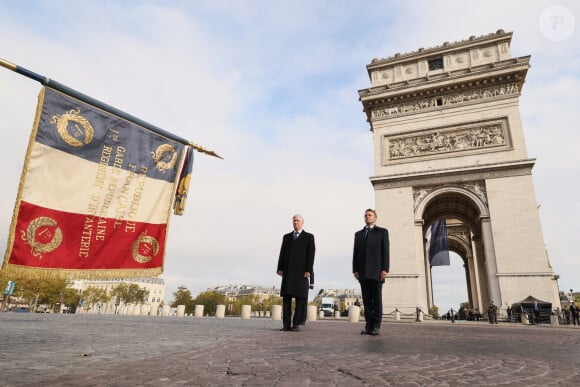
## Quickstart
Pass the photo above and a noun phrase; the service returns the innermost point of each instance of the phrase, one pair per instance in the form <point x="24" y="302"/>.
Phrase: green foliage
<point x="182" y="297"/>
<point x="435" y="311"/>
<point x="210" y="301"/>
<point x="129" y="293"/>
<point x="272" y="300"/>
<point x="45" y="291"/>
<point x="71" y="298"/>
<point x="92" y="295"/>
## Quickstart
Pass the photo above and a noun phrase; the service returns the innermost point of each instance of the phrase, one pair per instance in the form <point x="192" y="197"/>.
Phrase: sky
<point x="272" y="86"/>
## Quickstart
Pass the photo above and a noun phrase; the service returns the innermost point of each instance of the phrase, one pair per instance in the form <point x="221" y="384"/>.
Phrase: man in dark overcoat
<point x="295" y="266"/>
<point x="370" y="266"/>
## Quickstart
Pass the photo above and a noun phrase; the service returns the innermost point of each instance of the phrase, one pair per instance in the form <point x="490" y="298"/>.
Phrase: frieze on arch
<point x="477" y="187"/>
<point x="475" y="136"/>
<point x="460" y="232"/>
<point x="446" y="100"/>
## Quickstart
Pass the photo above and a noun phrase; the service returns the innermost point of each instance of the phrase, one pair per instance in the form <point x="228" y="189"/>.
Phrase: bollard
<point x="554" y="320"/>
<point x="353" y="313"/>
<point x="198" y="311"/>
<point x="145" y="309"/>
<point x="311" y="313"/>
<point x="397" y="315"/>
<point x="419" y="313"/>
<point x="220" y="311"/>
<point x="337" y="314"/>
<point x="246" y="311"/>
<point x="165" y="310"/>
<point x="320" y="314"/>
<point x="277" y="312"/>
<point x="267" y="313"/>
<point x="180" y="310"/>
<point x="525" y="319"/>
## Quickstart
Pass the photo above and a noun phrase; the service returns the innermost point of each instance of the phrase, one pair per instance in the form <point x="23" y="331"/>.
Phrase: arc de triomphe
<point x="449" y="144"/>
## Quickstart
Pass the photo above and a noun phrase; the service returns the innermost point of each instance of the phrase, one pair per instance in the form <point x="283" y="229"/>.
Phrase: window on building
<point x="435" y="64"/>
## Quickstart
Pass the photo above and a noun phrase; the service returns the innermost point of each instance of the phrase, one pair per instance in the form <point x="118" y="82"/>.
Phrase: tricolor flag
<point x="437" y="246"/>
<point x="95" y="194"/>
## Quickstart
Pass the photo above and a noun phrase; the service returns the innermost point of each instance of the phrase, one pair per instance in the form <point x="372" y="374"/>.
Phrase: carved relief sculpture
<point x="447" y="100"/>
<point x="475" y="136"/>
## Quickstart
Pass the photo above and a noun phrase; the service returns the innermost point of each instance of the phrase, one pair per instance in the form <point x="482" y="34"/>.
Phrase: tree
<point x="129" y="293"/>
<point x="182" y="297"/>
<point x="272" y="300"/>
<point x="435" y="312"/>
<point x="71" y="299"/>
<point x="210" y="301"/>
<point x="35" y="291"/>
<point x="93" y="295"/>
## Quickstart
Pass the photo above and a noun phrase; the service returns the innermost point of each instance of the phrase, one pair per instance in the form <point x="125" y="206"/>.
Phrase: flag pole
<point x="101" y="105"/>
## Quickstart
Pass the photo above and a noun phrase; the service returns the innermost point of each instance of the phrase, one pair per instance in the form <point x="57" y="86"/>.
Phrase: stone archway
<point x="463" y="209"/>
<point x="448" y="142"/>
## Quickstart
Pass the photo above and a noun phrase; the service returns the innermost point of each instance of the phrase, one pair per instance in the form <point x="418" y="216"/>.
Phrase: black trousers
<point x="299" y="310"/>
<point x="372" y="293"/>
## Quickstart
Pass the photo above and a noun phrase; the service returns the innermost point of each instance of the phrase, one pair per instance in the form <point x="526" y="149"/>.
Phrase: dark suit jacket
<point x="296" y="258"/>
<point x="371" y="254"/>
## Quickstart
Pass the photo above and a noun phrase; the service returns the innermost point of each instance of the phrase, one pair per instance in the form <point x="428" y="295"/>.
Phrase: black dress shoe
<point x="374" y="332"/>
<point x="365" y="332"/>
<point x="295" y="329"/>
<point x="284" y="329"/>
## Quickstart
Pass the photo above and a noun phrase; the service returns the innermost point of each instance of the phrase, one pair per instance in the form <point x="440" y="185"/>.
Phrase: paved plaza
<point x="108" y="350"/>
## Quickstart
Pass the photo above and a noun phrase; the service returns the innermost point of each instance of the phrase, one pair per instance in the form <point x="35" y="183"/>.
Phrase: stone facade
<point x="155" y="286"/>
<point x="449" y="143"/>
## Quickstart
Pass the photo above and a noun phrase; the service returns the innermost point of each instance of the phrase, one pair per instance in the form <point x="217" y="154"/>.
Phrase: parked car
<point x="20" y="309"/>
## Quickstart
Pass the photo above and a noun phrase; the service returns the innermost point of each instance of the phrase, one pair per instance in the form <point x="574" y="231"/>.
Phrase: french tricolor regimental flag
<point x="95" y="194"/>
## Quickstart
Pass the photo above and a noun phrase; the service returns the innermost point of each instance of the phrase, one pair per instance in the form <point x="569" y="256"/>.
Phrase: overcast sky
<point x="272" y="87"/>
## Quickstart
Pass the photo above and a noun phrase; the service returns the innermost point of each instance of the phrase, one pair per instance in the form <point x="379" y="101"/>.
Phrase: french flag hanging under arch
<point x="437" y="246"/>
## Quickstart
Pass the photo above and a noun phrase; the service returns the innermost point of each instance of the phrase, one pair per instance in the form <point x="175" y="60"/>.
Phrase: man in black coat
<point x="295" y="266"/>
<point x="370" y="266"/>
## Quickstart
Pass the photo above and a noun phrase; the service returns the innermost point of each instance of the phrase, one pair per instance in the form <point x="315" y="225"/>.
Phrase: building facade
<point x="155" y="287"/>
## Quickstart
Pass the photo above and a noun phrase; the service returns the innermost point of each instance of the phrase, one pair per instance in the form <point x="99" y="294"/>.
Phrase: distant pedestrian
<point x="536" y="311"/>
<point x="295" y="266"/>
<point x="492" y="313"/>
<point x="574" y="314"/>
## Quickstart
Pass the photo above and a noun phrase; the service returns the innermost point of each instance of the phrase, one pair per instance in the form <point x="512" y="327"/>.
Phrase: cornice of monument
<point x="445" y="175"/>
<point x="516" y="67"/>
<point x="473" y="41"/>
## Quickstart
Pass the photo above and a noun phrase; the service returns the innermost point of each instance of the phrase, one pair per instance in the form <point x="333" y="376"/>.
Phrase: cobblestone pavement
<point x="99" y="350"/>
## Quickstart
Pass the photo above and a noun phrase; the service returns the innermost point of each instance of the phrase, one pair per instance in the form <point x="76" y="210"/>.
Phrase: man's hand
<point x="279" y="272"/>
<point x="383" y="274"/>
<point x="307" y="274"/>
<point x="355" y="274"/>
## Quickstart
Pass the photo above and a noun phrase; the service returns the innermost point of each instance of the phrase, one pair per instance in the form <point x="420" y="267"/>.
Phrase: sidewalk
<point x="99" y="350"/>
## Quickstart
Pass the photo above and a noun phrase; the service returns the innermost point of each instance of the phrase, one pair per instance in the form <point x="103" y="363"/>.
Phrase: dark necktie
<point x="296" y="235"/>
<point x="367" y="231"/>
